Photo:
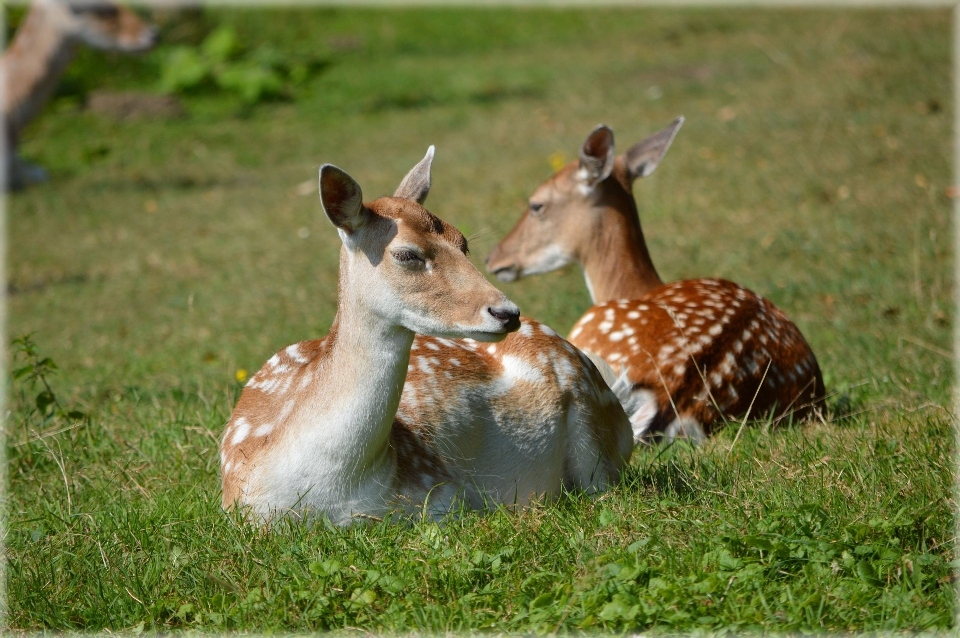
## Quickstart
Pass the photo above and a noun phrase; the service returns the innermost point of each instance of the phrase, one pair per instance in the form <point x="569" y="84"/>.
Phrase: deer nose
<point x="504" y="273"/>
<point x="508" y="315"/>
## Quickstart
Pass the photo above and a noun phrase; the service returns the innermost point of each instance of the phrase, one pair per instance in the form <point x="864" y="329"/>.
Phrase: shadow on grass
<point x="678" y="471"/>
<point x="183" y="182"/>
<point x="488" y="95"/>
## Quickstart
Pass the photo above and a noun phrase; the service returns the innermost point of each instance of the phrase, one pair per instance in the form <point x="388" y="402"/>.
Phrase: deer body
<point x="375" y="417"/>
<point x="40" y="52"/>
<point x="695" y="352"/>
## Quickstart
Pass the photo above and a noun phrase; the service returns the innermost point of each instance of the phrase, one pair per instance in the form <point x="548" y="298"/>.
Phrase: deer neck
<point x="616" y="263"/>
<point x="359" y="390"/>
<point x="34" y="62"/>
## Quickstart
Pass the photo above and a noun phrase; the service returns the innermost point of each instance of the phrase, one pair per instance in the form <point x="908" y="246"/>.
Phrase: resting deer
<point x="695" y="351"/>
<point x="39" y="54"/>
<point x="328" y="427"/>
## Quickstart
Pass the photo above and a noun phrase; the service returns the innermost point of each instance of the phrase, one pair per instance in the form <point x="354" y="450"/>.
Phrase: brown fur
<point x="772" y="369"/>
<point x="598" y="226"/>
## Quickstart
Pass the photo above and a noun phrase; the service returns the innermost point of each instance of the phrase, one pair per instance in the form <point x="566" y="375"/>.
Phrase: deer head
<point x="409" y="267"/>
<point x="103" y="25"/>
<point x="571" y="215"/>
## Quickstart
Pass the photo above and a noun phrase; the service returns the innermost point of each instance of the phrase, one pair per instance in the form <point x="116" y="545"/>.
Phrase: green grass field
<point x="168" y="255"/>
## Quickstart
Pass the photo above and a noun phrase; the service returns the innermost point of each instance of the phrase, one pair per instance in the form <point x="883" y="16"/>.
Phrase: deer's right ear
<point x="644" y="157"/>
<point x="342" y="199"/>
<point x="596" y="155"/>
<point x="416" y="185"/>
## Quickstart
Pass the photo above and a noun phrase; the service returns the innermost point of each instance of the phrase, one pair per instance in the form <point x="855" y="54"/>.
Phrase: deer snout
<point x="507" y="314"/>
<point x="502" y="270"/>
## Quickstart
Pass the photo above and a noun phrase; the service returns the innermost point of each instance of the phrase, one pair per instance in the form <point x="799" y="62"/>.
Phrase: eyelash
<point x="407" y="256"/>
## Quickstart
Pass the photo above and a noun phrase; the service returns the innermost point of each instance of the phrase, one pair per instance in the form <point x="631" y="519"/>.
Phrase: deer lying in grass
<point x="329" y="428"/>
<point x="695" y="352"/>
<point x="40" y="52"/>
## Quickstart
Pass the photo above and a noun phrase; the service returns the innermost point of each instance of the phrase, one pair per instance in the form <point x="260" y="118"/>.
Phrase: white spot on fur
<point x="715" y="329"/>
<point x="726" y="366"/>
<point x="294" y="353"/>
<point x="242" y="429"/>
<point x="519" y="369"/>
<point x="547" y="330"/>
<point x="605" y="326"/>
<point x="565" y="373"/>
<point x="263" y="430"/>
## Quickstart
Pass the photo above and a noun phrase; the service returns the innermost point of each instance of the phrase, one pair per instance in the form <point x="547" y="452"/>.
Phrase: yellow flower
<point x="241" y="375"/>
<point x="557" y="160"/>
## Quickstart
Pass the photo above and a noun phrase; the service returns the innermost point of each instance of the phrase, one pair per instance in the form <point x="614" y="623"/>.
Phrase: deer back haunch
<point x="699" y="352"/>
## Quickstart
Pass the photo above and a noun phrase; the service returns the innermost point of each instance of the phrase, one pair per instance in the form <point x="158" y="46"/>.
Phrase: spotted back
<point x="701" y="351"/>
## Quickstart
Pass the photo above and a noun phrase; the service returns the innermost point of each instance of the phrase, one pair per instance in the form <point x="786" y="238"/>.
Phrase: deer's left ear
<point x="596" y="155"/>
<point x="416" y="185"/>
<point x="644" y="157"/>
<point x="342" y="199"/>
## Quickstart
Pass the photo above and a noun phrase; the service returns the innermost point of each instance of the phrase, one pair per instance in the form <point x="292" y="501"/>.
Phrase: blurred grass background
<point x="168" y="253"/>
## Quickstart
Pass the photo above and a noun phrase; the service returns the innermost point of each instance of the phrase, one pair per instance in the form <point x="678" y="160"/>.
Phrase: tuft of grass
<point x="167" y="258"/>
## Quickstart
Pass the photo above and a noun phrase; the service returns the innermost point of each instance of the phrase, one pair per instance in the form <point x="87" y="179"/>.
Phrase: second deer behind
<point x="695" y="351"/>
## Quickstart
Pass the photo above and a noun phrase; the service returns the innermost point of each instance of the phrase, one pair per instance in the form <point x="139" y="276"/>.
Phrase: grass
<point x="167" y="255"/>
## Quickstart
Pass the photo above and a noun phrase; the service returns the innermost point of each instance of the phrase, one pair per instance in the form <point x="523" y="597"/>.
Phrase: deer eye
<point x="407" y="257"/>
<point x="536" y="208"/>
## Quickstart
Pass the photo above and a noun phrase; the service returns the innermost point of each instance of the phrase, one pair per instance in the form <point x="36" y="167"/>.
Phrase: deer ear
<point x="596" y="155"/>
<point x="644" y="157"/>
<point x="342" y="199"/>
<point x="416" y="185"/>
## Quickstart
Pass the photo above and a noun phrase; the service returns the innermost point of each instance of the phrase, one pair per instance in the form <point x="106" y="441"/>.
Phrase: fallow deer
<point x="378" y="416"/>
<point x="40" y="52"/>
<point x="695" y="352"/>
